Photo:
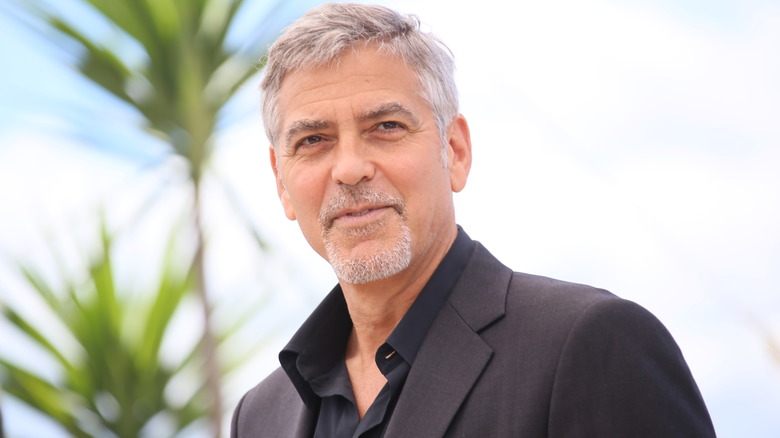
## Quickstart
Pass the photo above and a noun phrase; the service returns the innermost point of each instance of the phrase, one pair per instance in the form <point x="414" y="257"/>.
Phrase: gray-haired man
<point x="426" y="334"/>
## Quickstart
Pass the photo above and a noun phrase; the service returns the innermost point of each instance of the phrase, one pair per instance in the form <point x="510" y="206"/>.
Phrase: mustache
<point x="349" y="196"/>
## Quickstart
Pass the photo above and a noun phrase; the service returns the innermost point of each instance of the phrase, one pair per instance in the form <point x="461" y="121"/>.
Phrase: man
<point x="426" y="334"/>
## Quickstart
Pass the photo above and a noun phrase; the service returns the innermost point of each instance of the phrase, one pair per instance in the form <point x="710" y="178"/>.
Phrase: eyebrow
<point x="378" y="112"/>
<point x="388" y="109"/>
<point x="304" y="125"/>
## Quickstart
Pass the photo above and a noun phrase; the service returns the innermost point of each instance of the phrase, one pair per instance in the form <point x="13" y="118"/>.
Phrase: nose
<point x="352" y="164"/>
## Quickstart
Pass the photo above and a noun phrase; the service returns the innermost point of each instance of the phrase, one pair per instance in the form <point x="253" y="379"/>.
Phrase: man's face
<point x="359" y="165"/>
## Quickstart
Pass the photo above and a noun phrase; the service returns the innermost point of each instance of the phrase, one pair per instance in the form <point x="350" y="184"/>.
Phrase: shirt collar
<point x="408" y="335"/>
<point x="321" y="341"/>
<point x="317" y="345"/>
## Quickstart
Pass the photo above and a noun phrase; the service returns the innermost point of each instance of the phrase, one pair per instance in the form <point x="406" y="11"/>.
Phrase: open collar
<point x="453" y="354"/>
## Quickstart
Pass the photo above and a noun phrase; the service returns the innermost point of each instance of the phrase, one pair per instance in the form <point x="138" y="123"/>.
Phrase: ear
<point x="280" y="188"/>
<point x="459" y="152"/>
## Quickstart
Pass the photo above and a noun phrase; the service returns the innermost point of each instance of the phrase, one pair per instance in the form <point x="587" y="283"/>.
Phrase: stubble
<point x="365" y="267"/>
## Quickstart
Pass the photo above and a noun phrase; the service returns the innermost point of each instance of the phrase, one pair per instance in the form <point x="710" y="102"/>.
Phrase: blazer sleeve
<point x="621" y="374"/>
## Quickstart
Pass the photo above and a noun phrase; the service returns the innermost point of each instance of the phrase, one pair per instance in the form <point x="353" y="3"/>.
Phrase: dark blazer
<point x="516" y="355"/>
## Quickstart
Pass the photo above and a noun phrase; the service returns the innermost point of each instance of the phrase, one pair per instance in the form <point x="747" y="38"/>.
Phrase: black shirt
<point x="314" y="358"/>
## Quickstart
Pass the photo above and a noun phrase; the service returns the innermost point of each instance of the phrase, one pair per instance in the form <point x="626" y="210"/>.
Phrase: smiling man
<point x="427" y="334"/>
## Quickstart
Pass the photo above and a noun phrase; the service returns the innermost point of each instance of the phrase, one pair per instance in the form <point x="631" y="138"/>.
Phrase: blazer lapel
<point x="453" y="355"/>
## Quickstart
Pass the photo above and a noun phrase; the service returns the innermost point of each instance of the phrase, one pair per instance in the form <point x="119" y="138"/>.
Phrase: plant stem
<point x="213" y="376"/>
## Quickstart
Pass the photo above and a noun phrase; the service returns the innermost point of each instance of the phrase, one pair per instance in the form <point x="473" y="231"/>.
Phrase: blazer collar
<point x="453" y="355"/>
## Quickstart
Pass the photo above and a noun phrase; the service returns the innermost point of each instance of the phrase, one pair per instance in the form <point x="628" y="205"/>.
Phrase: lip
<point x="360" y="214"/>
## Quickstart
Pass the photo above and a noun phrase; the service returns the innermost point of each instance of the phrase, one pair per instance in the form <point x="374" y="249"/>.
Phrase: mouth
<point x="360" y="212"/>
<point x="358" y="215"/>
<point x="359" y="206"/>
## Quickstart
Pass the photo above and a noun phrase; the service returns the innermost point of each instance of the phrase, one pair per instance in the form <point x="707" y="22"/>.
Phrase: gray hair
<point x="324" y="33"/>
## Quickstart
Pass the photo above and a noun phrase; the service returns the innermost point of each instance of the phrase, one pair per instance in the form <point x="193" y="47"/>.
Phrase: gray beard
<point x="369" y="267"/>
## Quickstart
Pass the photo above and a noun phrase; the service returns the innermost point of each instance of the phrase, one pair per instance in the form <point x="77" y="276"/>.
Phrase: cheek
<point x="305" y="192"/>
<point x="420" y="174"/>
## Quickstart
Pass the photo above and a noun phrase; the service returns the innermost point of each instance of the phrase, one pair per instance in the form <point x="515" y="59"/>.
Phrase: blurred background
<point x="148" y="276"/>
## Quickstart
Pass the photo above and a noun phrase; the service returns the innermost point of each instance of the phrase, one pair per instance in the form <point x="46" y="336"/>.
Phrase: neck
<point x="376" y="308"/>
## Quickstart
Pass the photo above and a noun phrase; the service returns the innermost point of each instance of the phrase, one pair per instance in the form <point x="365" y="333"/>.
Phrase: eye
<point x="312" y="139"/>
<point x="308" y="145"/>
<point x="389" y="131"/>
<point x="389" y="125"/>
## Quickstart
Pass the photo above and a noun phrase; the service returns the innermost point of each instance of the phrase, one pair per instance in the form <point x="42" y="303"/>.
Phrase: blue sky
<point x="629" y="145"/>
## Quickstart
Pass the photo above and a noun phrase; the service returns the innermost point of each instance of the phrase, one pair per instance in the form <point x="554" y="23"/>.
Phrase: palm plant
<point x="112" y="382"/>
<point x="179" y="86"/>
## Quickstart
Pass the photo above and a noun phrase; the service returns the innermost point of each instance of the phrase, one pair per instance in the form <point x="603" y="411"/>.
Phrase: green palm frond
<point x="173" y="64"/>
<point x="116" y="375"/>
<point x="186" y="75"/>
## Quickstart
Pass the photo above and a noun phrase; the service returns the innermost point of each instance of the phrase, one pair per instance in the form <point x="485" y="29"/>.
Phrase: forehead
<point x="360" y="77"/>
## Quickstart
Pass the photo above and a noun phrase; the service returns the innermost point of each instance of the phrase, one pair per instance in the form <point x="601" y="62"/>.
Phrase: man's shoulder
<point x="566" y="313"/>
<point x="554" y="300"/>
<point x="485" y="270"/>
<point x="273" y="386"/>
<point x="529" y="289"/>
<point x="273" y="405"/>
<point x="489" y="291"/>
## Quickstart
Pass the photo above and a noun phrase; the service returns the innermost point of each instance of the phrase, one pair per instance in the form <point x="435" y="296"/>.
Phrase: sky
<point x="633" y="146"/>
